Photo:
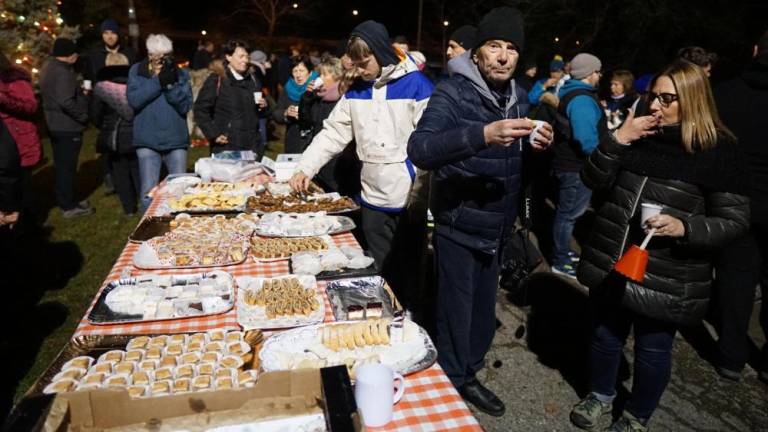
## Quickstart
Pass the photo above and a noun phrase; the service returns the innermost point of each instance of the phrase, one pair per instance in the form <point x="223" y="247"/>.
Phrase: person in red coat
<point x="17" y="109"/>
<point x="18" y="106"/>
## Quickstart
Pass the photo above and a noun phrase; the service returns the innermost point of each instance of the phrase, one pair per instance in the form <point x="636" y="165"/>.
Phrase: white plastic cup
<point x="535" y="132"/>
<point x="318" y="83"/>
<point x="375" y="394"/>
<point x="87" y="85"/>
<point x="256" y="97"/>
<point x="648" y="210"/>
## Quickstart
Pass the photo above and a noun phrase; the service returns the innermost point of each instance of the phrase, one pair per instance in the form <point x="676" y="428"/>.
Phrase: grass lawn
<point x="49" y="275"/>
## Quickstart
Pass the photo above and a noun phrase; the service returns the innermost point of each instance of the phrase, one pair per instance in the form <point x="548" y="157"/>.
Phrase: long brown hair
<point x="699" y="121"/>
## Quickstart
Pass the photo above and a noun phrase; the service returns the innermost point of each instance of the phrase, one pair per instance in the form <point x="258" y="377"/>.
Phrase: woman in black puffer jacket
<point x="226" y="108"/>
<point x="682" y="158"/>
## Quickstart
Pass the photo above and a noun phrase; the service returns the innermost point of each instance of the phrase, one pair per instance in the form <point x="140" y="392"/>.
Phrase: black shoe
<point x="482" y="398"/>
<point x="728" y="374"/>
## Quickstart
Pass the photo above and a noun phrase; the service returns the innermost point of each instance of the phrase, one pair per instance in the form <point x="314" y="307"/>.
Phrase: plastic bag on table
<point x="306" y="263"/>
<point x="360" y="262"/>
<point x="333" y="259"/>
<point x="230" y="171"/>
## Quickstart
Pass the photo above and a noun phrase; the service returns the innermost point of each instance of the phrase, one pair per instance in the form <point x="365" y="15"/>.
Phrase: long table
<point x="430" y="402"/>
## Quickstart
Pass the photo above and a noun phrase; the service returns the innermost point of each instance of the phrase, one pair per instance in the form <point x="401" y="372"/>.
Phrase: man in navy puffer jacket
<point x="471" y="135"/>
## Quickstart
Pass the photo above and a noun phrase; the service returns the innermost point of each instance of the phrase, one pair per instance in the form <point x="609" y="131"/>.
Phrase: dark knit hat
<point x="376" y="36"/>
<point x="465" y="36"/>
<point x="63" y="47"/>
<point x="504" y="23"/>
<point x="109" y="24"/>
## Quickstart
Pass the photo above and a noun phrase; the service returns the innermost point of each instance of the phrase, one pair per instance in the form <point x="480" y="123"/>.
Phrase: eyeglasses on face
<point x="665" y="99"/>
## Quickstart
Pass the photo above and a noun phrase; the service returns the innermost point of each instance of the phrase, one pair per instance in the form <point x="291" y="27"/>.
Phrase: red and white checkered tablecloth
<point x="430" y="402"/>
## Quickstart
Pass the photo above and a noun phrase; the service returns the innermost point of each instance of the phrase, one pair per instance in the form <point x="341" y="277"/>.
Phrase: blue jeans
<point x="150" y="162"/>
<point x="653" y="358"/>
<point x="572" y="201"/>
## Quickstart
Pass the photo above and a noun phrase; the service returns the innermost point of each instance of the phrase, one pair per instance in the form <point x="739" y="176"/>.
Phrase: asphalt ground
<point x="537" y="366"/>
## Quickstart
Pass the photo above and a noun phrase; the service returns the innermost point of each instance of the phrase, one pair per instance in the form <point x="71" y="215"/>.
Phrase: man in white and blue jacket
<point x="580" y="122"/>
<point x="471" y="136"/>
<point x="379" y="112"/>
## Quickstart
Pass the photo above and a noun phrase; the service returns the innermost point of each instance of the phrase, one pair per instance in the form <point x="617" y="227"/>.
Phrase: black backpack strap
<point x="562" y="123"/>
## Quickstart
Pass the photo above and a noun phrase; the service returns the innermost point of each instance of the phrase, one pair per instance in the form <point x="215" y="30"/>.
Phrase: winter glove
<point x="168" y="76"/>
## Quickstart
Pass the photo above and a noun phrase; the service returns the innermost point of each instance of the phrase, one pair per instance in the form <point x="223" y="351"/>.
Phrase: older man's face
<point x="496" y="60"/>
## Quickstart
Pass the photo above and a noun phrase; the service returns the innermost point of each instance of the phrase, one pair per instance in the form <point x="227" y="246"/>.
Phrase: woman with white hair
<point x="161" y="96"/>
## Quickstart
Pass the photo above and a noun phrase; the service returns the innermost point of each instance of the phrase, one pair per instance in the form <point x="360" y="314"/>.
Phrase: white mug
<point x="648" y="210"/>
<point x="257" y="97"/>
<point x="375" y="394"/>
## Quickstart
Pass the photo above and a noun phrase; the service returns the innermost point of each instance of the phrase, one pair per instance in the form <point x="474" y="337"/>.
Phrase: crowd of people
<point x="368" y="122"/>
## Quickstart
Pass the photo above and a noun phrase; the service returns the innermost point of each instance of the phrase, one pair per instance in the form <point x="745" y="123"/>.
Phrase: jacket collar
<point x="395" y="71"/>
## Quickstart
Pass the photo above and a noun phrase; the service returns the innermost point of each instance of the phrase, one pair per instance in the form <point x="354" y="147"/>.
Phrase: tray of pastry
<point x="401" y="344"/>
<point x="248" y="188"/>
<point x="209" y="202"/>
<point x="155" y="365"/>
<point x="280" y="224"/>
<point x="153" y="297"/>
<point x="331" y="203"/>
<point x="198" y="243"/>
<point x="282" y="248"/>
<point x="156" y="226"/>
<point x="279" y="302"/>
<point x="359" y="298"/>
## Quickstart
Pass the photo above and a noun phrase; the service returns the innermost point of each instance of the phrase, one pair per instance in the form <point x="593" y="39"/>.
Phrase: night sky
<point x="641" y="35"/>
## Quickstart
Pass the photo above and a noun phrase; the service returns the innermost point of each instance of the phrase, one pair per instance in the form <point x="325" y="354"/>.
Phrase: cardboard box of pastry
<point x="279" y="401"/>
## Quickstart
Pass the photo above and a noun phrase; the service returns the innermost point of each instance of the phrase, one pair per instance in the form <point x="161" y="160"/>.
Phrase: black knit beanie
<point x="465" y="36"/>
<point x="504" y="23"/>
<point x="63" y="47"/>
<point x="376" y="36"/>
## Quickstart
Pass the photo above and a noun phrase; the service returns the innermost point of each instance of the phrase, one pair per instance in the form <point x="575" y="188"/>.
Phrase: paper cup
<point x="648" y="210"/>
<point x="87" y="85"/>
<point x="535" y="133"/>
<point x="318" y="83"/>
<point x="256" y="97"/>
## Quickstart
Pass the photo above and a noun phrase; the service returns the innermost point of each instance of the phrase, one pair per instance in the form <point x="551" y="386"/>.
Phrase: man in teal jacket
<point x="580" y="121"/>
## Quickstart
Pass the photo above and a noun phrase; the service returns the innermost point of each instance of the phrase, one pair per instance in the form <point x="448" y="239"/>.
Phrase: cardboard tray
<point x="276" y="395"/>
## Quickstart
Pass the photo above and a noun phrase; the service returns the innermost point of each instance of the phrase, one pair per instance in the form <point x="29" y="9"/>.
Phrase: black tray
<point x="101" y="314"/>
<point x="344" y="273"/>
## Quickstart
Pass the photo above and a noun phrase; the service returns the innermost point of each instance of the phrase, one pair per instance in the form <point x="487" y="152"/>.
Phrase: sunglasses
<point x="665" y="99"/>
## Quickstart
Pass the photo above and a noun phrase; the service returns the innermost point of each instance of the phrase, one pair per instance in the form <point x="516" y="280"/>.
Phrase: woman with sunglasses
<point x="682" y="158"/>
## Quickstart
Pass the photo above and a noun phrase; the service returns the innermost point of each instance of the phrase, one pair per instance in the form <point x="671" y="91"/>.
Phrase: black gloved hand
<point x="168" y="75"/>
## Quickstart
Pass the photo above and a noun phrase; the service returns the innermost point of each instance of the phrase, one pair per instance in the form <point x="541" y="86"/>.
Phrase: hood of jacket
<point x="392" y="72"/>
<point x="375" y="35"/>
<point x="464" y="66"/>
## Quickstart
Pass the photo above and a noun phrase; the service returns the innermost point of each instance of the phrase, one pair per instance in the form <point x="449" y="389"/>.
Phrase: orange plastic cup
<point x="632" y="264"/>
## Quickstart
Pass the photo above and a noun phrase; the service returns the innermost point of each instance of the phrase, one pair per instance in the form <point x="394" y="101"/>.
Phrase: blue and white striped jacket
<point x="380" y="116"/>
